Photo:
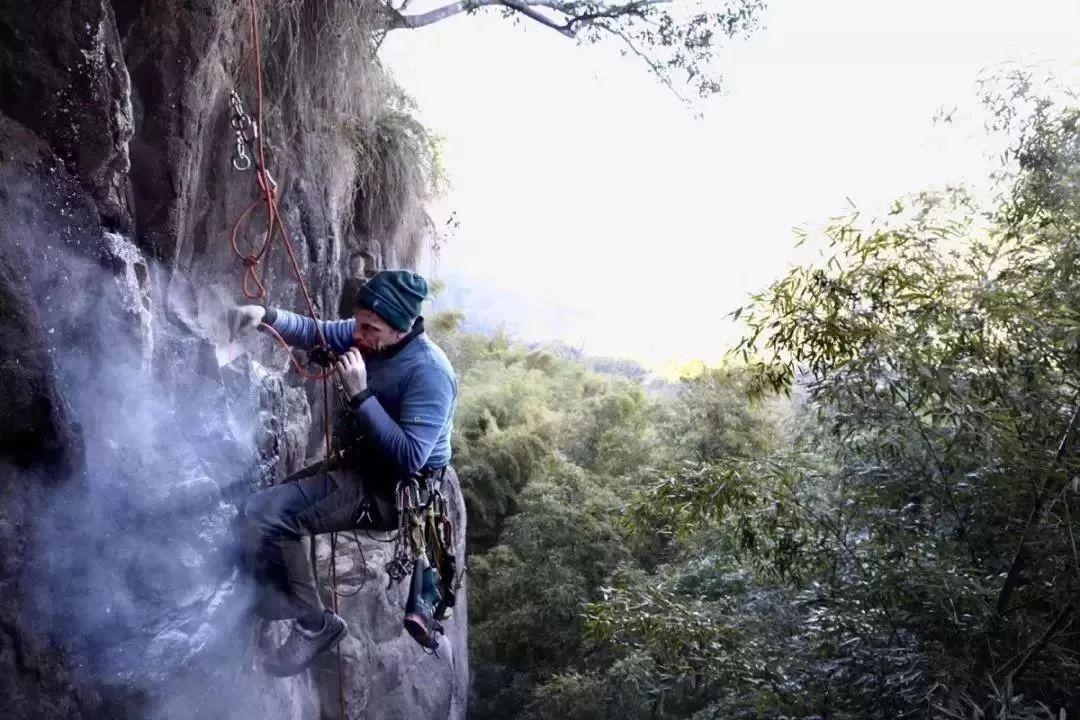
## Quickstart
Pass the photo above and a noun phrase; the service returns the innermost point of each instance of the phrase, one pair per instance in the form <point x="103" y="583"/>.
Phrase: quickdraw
<point x="405" y="551"/>
<point x="425" y="530"/>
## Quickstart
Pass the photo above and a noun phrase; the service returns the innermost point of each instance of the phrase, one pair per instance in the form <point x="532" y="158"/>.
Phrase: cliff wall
<point x="131" y="429"/>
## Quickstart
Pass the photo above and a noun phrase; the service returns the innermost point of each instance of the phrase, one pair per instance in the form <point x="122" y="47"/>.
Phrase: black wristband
<point x="270" y="316"/>
<point x="358" y="399"/>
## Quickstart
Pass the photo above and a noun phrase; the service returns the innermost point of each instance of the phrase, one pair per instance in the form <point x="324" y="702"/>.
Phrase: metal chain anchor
<point x="246" y="133"/>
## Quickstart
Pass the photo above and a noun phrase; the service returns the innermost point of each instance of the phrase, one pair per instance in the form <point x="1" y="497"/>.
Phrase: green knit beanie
<point x="395" y="296"/>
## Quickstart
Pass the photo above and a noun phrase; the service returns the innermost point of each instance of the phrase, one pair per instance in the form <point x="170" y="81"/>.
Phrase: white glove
<point x="244" y="318"/>
<point x="351" y="369"/>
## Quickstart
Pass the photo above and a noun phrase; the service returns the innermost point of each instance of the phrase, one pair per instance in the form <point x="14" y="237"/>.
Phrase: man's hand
<point x="351" y="369"/>
<point x="244" y="318"/>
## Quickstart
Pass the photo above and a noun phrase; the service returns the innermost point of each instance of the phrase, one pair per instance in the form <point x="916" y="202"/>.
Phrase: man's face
<point x="373" y="333"/>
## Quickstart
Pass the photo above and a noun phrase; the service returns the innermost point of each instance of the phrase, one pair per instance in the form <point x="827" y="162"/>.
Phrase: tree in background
<point x="911" y="550"/>
<point x="942" y="355"/>
<point x="551" y="454"/>
<point x="676" y="39"/>
<point x="897" y="541"/>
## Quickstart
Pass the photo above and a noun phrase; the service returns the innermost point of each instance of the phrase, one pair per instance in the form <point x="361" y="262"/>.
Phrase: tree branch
<point x="614" y="11"/>
<point x="1060" y="623"/>
<point x="399" y="20"/>
<point x="1020" y="558"/>
<point x="524" y="9"/>
<point x="656" y="67"/>
<point x="1038" y="512"/>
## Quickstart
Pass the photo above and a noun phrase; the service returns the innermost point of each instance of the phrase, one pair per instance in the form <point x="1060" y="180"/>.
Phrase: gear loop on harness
<point x="425" y="533"/>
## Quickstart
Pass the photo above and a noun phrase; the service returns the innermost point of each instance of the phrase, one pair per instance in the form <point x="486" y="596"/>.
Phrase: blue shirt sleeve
<point x="426" y="405"/>
<point x="300" y="331"/>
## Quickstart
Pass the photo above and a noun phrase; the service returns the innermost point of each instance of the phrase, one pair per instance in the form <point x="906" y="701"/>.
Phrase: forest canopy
<point x="866" y="514"/>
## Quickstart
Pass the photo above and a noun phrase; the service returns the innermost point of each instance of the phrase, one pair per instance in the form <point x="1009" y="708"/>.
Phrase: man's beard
<point x="367" y="351"/>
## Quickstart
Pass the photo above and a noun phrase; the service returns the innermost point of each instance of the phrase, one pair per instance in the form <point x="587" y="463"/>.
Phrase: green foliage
<point x="563" y="541"/>
<point x="505" y="432"/>
<point x="900" y="544"/>
<point x="607" y="432"/>
<point x="527" y="416"/>
<point x="551" y="455"/>
<point x="897" y="541"/>
<point x="710" y="418"/>
<point x="398" y="169"/>
<point x="936" y="354"/>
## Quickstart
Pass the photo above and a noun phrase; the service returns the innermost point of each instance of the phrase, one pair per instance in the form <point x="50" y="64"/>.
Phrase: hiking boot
<point x="420" y="607"/>
<point x="302" y="646"/>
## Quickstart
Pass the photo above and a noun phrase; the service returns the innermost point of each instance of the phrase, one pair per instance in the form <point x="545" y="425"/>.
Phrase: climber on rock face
<point x="401" y="392"/>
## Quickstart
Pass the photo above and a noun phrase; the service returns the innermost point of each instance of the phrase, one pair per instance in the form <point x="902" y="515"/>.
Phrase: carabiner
<point x="242" y="162"/>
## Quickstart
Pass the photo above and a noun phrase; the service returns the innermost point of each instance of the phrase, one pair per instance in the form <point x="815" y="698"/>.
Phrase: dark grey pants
<point x="277" y="519"/>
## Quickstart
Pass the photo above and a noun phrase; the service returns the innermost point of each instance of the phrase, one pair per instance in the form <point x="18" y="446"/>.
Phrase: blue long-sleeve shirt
<point x="409" y="418"/>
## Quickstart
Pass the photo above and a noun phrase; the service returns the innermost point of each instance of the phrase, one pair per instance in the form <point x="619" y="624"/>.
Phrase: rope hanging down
<point x="251" y="154"/>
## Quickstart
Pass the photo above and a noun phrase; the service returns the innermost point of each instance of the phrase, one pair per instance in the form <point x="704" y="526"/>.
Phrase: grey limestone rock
<point x="129" y="432"/>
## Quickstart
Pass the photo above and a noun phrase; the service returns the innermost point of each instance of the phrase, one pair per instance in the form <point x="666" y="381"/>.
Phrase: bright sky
<point x="596" y="209"/>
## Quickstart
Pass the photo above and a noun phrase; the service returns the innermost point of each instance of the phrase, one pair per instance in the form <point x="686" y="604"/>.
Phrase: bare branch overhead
<point x="672" y="37"/>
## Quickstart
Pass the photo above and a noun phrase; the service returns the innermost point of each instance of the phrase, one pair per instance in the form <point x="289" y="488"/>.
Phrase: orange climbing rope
<point x="300" y="369"/>
<point x="254" y="288"/>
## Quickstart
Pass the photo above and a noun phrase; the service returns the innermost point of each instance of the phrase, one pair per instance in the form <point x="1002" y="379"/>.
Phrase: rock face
<point x="131" y="429"/>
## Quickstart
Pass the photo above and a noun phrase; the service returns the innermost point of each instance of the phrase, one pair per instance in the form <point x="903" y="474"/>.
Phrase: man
<point x="402" y="393"/>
